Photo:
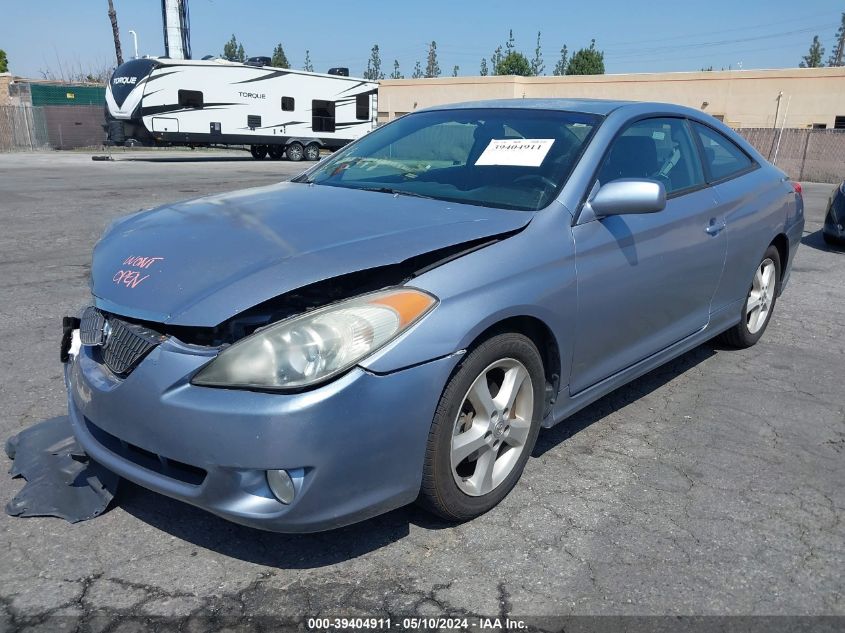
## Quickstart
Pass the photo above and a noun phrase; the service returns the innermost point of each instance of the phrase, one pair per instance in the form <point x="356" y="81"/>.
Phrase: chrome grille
<point x="122" y="344"/>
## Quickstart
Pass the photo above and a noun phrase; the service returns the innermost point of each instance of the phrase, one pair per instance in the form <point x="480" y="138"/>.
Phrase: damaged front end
<point x="316" y="295"/>
<point x="120" y="343"/>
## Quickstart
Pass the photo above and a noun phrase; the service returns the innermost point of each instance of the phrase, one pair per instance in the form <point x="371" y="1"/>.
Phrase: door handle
<point x="714" y="228"/>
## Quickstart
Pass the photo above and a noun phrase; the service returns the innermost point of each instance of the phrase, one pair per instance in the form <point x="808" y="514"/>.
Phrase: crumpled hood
<point x="202" y="261"/>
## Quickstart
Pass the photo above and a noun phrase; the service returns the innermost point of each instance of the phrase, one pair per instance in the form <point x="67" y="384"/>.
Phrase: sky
<point x="57" y="35"/>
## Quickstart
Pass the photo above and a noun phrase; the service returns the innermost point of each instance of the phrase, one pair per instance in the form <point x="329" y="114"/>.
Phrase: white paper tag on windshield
<point x="518" y="152"/>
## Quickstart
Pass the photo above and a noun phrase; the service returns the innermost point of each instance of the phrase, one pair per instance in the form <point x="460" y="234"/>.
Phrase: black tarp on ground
<point x="61" y="480"/>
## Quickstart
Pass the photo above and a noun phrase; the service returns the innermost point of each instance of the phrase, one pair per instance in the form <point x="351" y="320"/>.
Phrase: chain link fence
<point x="806" y="155"/>
<point x="22" y="128"/>
<point x="27" y="128"/>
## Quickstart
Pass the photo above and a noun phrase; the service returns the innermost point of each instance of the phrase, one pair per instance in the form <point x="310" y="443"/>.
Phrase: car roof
<point x="601" y="107"/>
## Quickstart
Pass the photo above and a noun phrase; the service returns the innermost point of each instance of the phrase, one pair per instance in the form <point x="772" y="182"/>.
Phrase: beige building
<point x="5" y="80"/>
<point x="800" y="97"/>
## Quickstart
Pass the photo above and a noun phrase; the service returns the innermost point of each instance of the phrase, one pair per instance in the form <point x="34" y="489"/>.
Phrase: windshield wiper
<point x="396" y="192"/>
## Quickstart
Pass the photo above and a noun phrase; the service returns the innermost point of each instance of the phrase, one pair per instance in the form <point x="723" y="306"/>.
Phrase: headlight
<point x="317" y="345"/>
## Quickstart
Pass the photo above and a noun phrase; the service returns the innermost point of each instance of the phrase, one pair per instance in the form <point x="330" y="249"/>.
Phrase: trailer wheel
<point x="295" y="151"/>
<point x="259" y="152"/>
<point x="312" y="152"/>
<point x="276" y="152"/>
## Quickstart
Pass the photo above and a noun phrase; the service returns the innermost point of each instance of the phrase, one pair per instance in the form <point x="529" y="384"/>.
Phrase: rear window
<point x="722" y="157"/>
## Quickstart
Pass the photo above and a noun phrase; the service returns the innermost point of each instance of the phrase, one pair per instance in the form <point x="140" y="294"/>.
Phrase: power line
<point x="675" y="47"/>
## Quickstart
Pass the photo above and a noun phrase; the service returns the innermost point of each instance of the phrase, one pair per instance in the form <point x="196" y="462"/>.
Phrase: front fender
<point x="529" y="274"/>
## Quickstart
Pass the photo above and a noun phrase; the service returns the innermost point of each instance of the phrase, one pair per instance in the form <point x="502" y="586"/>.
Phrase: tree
<point x="241" y="53"/>
<point x="373" y="72"/>
<point x="813" y="58"/>
<point x="308" y="66"/>
<point x="455" y="71"/>
<point x="230" y="50"/>
<point x="432" y="68"/>
<point x="510" y="44"/>
<point x="560" y="66"/>
<point x="537" y="65"/>
<point x="418" y="73"/>
<point x="4" y="62"/>
<point x="514" y="63"/>
<point x="484" y="70"/>
<point x="279" y="60"/>
<point x="837" y="55"/>
<point x="587" y="61"/>
<point x="396" y="74"/>
<point x="495" y="60"/>
<point x="115" y="33"/>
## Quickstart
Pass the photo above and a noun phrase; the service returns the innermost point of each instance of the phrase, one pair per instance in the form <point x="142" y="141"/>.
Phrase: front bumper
<point x="355" y="446"/>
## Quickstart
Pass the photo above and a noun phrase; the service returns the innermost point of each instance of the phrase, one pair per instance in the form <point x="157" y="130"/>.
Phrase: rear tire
<point x="259" y="152"/>
<point x="474" y="457"/>
<point x="312" y="152"/>
<point x="295" y="151"/>
<point x="830" y="240"/>
<point x="277" y="152"/>
<point x="759" y="304"/>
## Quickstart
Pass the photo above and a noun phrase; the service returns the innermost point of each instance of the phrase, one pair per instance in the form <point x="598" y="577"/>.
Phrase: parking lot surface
<point x="714" y="485"/>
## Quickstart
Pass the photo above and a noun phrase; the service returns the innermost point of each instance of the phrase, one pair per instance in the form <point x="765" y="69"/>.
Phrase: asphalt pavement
<point x="713" y="485"/>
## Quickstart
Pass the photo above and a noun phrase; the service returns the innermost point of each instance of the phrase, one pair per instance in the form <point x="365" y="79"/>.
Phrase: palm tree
<point x="115" y="32"/>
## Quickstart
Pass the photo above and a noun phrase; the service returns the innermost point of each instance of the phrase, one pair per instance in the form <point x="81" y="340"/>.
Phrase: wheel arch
<point x="781" y="242"/>
<point x="543" y="338"/>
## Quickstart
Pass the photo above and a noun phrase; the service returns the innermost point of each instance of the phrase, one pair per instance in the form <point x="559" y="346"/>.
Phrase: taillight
<point x="797" y="187"/>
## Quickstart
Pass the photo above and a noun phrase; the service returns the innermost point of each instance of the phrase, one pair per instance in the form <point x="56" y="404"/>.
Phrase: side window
<point x="721" y="155"/>
<point x="288" y="104"/>
<point x="190" y="98"/>
<point x="362" y="107"/>
<point x="655" y="149"/>
<point x="322" y="116"/>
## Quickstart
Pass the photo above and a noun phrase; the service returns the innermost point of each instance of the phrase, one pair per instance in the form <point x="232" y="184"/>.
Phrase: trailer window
<point x="322" y="116"/>
<point x="190" y="98"/>
<point x="288" y="104"/>
<point x="362" y="107"/>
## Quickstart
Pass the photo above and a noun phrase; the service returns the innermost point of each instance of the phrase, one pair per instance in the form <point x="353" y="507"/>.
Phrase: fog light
<point x="281" y="485"/>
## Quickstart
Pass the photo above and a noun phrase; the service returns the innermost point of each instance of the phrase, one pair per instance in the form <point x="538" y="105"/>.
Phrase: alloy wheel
<point x="492" y="427"/>
<point x="761" y="297"/>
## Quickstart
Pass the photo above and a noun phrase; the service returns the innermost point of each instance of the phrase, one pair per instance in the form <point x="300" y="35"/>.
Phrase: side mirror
<point x="627" y="196"/>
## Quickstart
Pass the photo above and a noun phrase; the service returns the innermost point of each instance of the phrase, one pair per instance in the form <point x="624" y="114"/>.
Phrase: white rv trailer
<point x="275" y="111"/>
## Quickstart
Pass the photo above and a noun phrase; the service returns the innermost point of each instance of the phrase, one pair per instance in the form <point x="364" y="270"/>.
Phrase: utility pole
<point x="135" y="39"/>
<point x="116" y="33"/>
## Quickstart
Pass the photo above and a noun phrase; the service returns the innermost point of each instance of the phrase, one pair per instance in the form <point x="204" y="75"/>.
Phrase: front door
<point x="646" y="281"/>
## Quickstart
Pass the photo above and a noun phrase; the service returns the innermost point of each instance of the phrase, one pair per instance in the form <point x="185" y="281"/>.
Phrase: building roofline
<point x="697" y="75"/>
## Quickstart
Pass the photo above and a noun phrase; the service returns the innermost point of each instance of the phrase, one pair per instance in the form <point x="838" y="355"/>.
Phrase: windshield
<point x="496" y="157"/>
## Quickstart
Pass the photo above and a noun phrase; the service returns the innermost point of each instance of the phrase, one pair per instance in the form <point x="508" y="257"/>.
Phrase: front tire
<point x="759" y="303"/>
<point x="484" y="428"/>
